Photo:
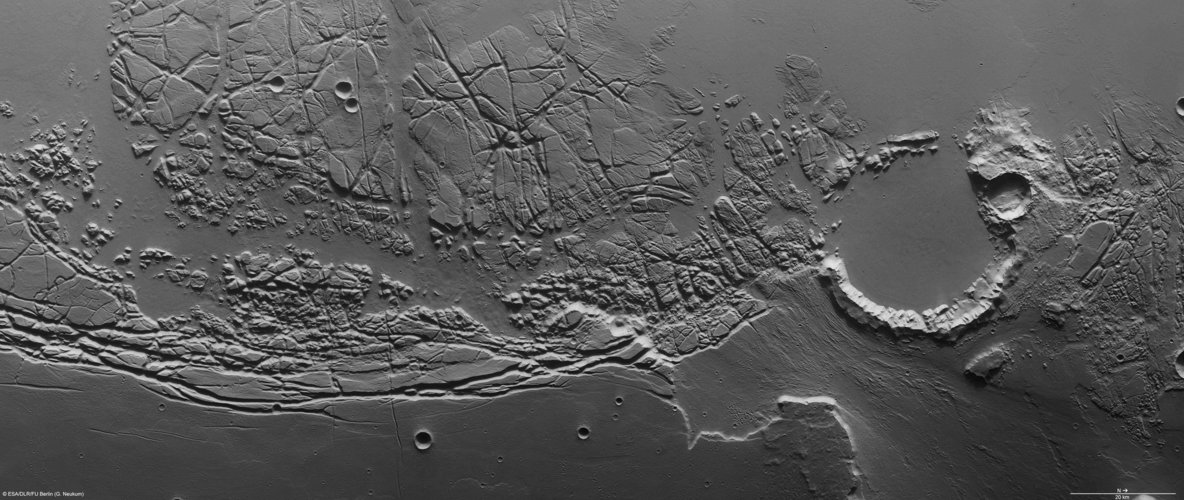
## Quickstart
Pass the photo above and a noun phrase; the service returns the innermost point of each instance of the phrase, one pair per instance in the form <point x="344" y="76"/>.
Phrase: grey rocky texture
<point x="274" y="94"/>
<point x="379" y="219"/>
<point x="986" y="365"/>
<point x="540" y="137"/>
<point x="944" y="320"/>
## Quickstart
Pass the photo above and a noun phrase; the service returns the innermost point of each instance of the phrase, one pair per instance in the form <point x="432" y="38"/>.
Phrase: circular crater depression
<point x="1008" y="194"/>
<point x="343" y="89"/>
<point x="912" y="239"/>
<point x="423" y="440"/>
<point x="276" y="84"/>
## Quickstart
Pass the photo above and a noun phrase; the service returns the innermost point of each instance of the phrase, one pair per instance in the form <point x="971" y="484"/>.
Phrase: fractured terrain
<point x="584" y="218"/>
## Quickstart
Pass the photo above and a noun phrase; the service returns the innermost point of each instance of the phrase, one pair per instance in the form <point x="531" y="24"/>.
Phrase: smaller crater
<point x="352" y="105"/>
<point x="583" y="432"/>
<point x="276" y="84"/>
<point x="423" y="440"/>
<point x="1180" y="107"/>
<point x="1008" y="194"/>
<point x="344" y="89"/>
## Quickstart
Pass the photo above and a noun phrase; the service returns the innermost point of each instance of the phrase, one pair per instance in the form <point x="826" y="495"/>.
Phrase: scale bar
<point x="1112" y="493"/>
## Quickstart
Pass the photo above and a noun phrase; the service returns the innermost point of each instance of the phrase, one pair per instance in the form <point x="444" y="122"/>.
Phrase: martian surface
<point x="417" y="249"/>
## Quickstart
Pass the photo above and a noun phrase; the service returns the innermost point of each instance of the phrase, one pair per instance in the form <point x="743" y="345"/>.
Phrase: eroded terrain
<point x="468" y="240"/>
